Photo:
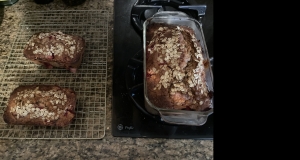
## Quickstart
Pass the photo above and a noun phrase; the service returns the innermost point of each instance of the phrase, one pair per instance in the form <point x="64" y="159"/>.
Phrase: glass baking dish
<point x="173" y="116"/>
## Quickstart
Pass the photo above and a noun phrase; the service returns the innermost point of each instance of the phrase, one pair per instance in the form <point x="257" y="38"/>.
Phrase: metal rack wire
<point x="89" y="82"/>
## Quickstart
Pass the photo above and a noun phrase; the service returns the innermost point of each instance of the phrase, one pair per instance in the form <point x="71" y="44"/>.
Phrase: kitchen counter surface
<point x="107" y="148"/>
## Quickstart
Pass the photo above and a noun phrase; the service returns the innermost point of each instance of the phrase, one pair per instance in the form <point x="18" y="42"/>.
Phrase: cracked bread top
<point x="54" y="46"/>
<point x="44" y="105"/>
<point x="175" y="68"/>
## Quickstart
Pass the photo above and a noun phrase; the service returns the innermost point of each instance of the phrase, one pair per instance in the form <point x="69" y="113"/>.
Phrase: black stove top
<point x="144" y="9"/>
<point x="129" y="117"/>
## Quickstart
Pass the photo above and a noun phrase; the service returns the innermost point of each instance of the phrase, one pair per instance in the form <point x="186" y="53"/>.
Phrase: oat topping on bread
<point x="175" y="68"/>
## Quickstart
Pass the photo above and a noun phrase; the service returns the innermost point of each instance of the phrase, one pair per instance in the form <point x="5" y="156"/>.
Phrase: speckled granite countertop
<point x="109" y="147"/>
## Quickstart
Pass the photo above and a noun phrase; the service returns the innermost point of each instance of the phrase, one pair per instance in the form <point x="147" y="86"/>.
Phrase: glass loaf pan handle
<point x="185" y="117"/>
<point x="176" y="14"/>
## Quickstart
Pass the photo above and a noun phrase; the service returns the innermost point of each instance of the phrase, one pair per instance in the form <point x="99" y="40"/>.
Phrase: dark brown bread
<point x="175" y="68"/>
<point x="41" y="105"/>
<point x="55" y="49"/>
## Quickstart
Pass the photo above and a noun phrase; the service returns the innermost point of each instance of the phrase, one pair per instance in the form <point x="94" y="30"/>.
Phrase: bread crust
<point x="55" y="49"/>
<point x="41" y="105"/>
<point x="175" y="68"/>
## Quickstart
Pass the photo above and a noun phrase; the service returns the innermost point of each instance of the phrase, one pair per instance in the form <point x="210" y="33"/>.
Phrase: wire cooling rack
<point x="89" y="82"/>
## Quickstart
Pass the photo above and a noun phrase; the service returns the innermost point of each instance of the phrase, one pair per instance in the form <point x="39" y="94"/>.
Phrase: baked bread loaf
<point x="55" y="49"/>
<point x="40" y="105"/>
<point x="175" y="75"/>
